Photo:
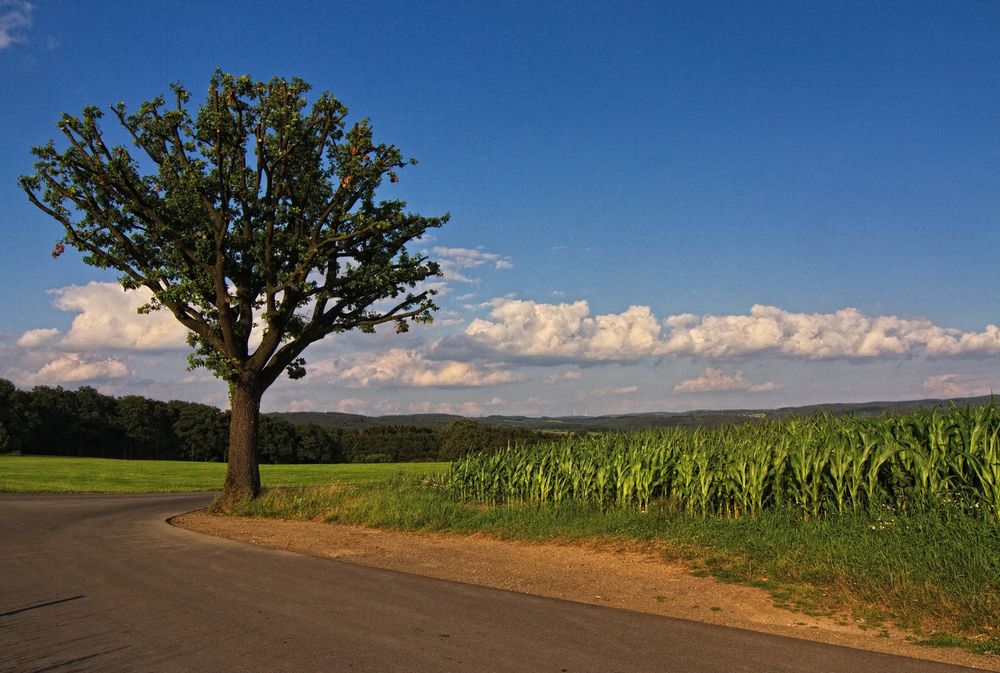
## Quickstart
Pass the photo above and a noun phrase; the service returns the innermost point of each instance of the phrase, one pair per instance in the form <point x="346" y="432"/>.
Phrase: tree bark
<point x="242" y="474"/>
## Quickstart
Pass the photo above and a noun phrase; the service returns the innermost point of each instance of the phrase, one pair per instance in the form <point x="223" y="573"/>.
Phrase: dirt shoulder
<point x="623" y="578"/>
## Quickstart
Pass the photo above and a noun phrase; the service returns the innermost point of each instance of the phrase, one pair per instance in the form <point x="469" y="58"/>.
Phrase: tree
<point x="260" y="212"/>
<point x="18" y="417"/>
<point x="7" y="391"/>
<point x="53" y="417"/>
<point x="146" y="428"/>
<point x="461" y="437"/>
<point x="96" y="432"/>
<point x="316" y="445"/>
<point x="200" y="430"/>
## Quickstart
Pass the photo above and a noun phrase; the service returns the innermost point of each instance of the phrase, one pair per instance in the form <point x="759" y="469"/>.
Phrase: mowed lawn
<point x="51" y="474"/>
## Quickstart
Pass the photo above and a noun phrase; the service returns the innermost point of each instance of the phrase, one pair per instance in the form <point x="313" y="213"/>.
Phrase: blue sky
<point x="627" y="182"/>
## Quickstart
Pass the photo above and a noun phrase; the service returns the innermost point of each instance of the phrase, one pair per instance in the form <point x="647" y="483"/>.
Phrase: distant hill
<point x="663" y="419"/>
<point x="336" y="419"/>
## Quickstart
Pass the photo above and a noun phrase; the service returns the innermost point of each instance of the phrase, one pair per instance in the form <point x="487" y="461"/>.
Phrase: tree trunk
<point x="242" y="474"/>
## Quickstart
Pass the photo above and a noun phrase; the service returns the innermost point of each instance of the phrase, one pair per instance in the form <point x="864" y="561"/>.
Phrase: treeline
<point x="54" y="421"/>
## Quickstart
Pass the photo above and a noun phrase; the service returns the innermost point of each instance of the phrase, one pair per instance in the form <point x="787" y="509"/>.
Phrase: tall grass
<point x="816" y="466"/>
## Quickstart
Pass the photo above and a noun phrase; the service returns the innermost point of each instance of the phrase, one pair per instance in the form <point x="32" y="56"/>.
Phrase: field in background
<point x="45" y="474"/>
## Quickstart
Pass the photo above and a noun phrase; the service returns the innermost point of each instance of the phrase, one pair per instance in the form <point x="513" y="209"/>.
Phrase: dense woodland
<point x="58" y="422"/>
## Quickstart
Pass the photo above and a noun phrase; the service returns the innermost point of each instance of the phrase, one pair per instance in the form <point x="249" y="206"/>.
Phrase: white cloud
<point x="847" y="333"/>
<point x="403" y="367"/>
<point x="571" y="375"/>
<point x="15" y="17"/>
<point x="954" y="385"/>
<point x="454" y="261"/>
<point x="108" y="318"/>
<point x="38" y="338"/>
<point x="467" y="408"/>
<point x="716" y="380"/>
<point x="71" y="368"/>
<point x="351" y="405"/>
<point x="302" y="405"/>
<point x="567" y="332"/>
<point x="613" y="392"/>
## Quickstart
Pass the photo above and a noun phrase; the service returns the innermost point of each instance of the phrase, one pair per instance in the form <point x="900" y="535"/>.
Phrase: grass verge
<point x="51" y="474"/>
<point x="937" y="574"/>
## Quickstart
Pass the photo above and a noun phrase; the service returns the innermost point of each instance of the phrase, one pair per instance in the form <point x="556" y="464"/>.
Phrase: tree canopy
<point x="256" y="224"/>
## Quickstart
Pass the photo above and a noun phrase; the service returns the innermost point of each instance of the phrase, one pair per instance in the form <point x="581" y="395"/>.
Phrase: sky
<point x="654" y="206"/>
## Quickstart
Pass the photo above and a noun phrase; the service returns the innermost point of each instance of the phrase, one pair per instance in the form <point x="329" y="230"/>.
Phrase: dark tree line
<point x="54" y="421"/>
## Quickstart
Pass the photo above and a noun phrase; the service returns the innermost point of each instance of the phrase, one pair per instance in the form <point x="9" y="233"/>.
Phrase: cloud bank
<point x="72" y="368"/>
<point x="401" y="367"/>
<point x="955" y="385"/>
<point x="567" y="332"/>
<point x="716" y="380"/>
<point x="108" y="318"/>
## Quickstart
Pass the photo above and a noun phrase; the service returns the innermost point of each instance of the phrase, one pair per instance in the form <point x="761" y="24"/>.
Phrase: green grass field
<point x="50" y="474"/>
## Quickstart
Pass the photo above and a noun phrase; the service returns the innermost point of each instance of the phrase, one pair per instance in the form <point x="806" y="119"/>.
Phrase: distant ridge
<point x="642" y="421"/>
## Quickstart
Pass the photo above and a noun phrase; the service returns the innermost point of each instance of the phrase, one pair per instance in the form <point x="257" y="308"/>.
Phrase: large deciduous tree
<point x="255" y="222"/>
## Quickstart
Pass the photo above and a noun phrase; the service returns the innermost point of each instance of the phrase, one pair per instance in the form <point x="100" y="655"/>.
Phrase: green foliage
<point x="465" y="436"/>
<point x="201" y="431"/>
<point x="261" y="208"/>
<point x="816" y="466"/>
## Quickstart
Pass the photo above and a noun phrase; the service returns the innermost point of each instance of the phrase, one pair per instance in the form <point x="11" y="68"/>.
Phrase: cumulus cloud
<point x="955" y="385"/>
<point x="567" y="332"/>
<point x="38" y="338"/>
<point x="108" y="317"/>
<point x="847" y="333"/>
<point x="456" y="261"/>
<point x="403" y="367"/>
<point x="15" y="17"/>
<point x="71" y="368"/>
<point x="716" y="380"/>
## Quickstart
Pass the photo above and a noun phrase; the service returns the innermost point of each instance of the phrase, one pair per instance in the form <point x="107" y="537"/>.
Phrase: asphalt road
<point x="103" y="583"/>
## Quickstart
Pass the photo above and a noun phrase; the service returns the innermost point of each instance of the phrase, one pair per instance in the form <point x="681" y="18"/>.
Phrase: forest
<point x="53" y="421"/>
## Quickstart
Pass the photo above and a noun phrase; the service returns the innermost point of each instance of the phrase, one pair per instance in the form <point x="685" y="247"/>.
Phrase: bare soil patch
<point x="629" y="578"/>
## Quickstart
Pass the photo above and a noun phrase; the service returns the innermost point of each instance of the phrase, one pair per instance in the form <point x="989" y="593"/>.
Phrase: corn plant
<point x="817" y="466"/>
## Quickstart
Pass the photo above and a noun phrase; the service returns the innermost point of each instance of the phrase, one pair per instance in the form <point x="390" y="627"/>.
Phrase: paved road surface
<point x="102" y="583"/>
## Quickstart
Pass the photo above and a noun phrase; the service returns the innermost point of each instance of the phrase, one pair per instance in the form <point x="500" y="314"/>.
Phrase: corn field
<point x="817" y="466"/>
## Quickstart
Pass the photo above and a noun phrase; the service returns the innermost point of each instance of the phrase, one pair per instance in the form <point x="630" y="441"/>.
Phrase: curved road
<point x="103" y="583"/>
